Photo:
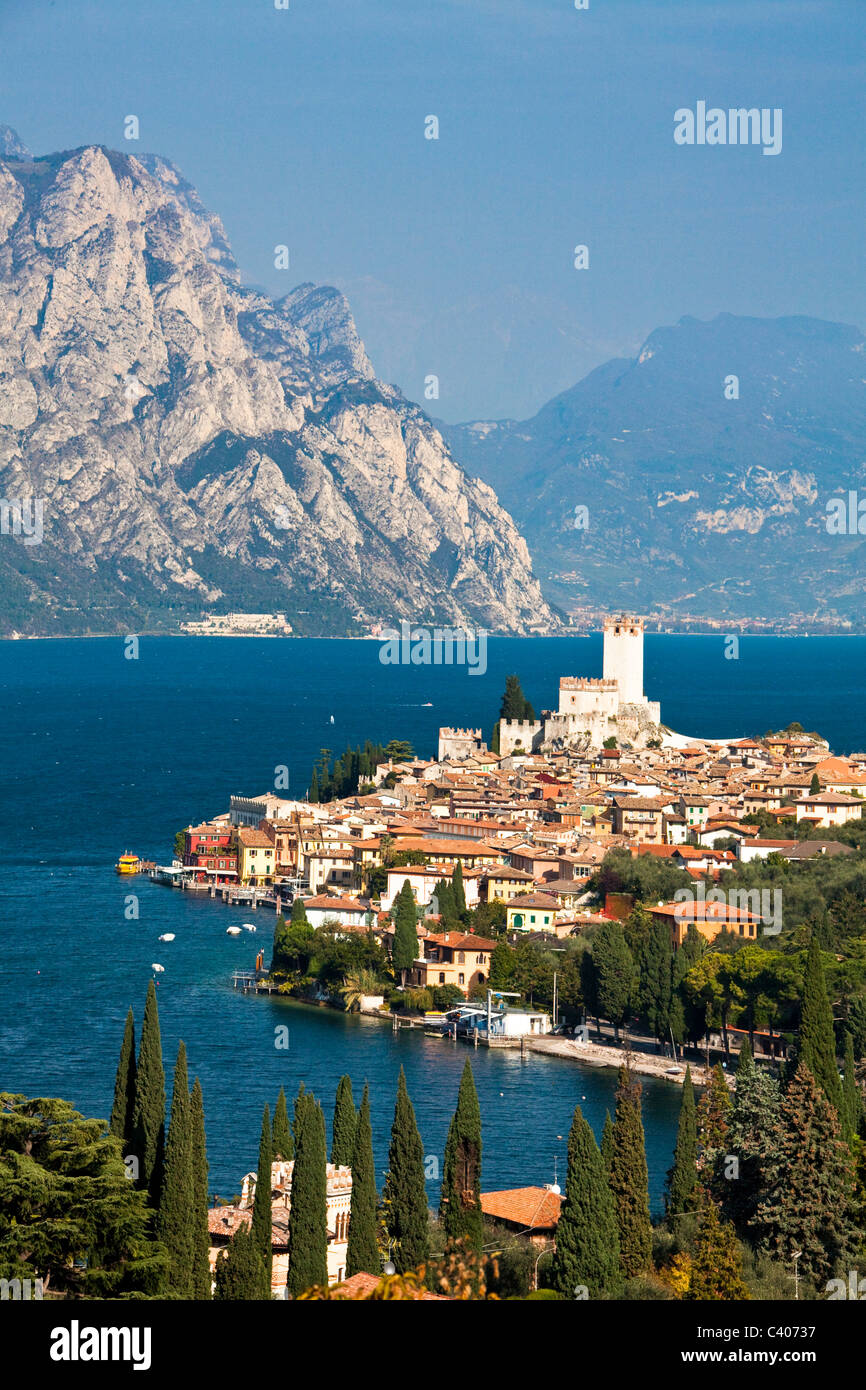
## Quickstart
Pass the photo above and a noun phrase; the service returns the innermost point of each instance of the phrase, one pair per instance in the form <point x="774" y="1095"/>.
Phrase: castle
<point x="591" y="711"/>
<point x="457" y="744"/>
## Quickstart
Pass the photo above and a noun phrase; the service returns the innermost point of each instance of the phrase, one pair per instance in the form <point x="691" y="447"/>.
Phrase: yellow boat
<point x="128" y="864"/>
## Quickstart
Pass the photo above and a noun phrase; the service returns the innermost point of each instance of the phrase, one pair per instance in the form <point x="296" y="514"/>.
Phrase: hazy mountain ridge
<point x="696" y="503"/>
<point x="198" y="445"/>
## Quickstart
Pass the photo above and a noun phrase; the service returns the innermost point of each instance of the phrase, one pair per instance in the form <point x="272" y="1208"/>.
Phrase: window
<point x="461" y="957"/>
<point x="441" y="977"/>
<point x="461" y="979"/>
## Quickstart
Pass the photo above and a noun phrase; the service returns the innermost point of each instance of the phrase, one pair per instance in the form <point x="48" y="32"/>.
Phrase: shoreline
<point x="788" y="635"/>
<point x="591" y="1054"/>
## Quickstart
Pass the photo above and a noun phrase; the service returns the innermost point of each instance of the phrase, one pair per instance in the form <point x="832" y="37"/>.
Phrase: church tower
<point x="623" y="657"/>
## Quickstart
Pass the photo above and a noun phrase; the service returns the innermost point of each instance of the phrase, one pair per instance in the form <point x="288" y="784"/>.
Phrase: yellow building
<point x="256" y="857"/>
<point x="501" y="885"/>
<point x="531" y="912"/>
<point x="453" y="958"/>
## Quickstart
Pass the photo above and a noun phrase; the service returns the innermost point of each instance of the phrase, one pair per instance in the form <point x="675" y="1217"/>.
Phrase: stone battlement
<point x="460" y="733"/>
<point x="586" y="683"/>
<point x="625" y="620"/>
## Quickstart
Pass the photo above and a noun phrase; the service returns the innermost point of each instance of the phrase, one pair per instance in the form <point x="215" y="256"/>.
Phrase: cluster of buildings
<point x="531" y="823"/>
<point x="530" y="1212"/>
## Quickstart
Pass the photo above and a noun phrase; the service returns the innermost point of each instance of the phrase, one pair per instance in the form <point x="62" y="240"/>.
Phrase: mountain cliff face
<point x="199" y="447"/>
<point x="698" y="500"/>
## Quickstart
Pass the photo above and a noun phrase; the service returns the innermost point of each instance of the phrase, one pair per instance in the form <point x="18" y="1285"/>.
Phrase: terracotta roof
<point x="532" y="1208"/>
<point x="461" y="941"/>
<point x="361" y="1286"/>
<point x="533" y="900"/>
<point x="703" y="912"/>
<point x="224" y="1221"/>
<point x="255" y="839"/>
<point x="335" y="904"/>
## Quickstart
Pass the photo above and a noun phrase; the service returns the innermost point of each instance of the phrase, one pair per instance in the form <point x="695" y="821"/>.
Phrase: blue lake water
<point x="99" y="754"/>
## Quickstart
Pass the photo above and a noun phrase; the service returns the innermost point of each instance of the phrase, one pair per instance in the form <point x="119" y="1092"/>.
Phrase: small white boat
<point x="248" y="926"/>
<point x="158" y="968"/>
<point x="332" y="719"/>
<point x="168" y="936"/>
<point x="233" y="931"/>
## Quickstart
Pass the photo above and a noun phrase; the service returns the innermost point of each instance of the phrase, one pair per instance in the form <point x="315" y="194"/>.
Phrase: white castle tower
<point x="623" y="657"/>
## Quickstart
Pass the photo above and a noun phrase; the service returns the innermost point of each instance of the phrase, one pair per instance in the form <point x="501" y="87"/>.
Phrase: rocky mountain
<point x="195" y="446"/>
<point x="704" y="466"/>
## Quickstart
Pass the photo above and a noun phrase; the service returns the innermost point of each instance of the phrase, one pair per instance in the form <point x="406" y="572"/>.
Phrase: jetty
<point x="254" y="982"/>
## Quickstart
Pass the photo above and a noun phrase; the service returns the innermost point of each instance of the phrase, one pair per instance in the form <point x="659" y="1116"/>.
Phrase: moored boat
<point x="128" y="864"/>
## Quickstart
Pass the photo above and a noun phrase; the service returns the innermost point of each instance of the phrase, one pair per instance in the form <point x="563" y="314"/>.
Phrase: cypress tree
<point x="345" y="1126"/>
<point x="308" y="1225"/>
<point x="613" y="965"/>
<point x="175" y="1223"/>
<point x="587" y="1241"/>
<point x="282" y="1143"/>
<point x="713" y="1113"/>
<point x="148" y="1115"/>
<point x="460" y="1201"/>
<point x="817" y="1048"/>
<point x="752" y="1138"/>
<point x="629" y="1179"/>
<point x="405" y="1195"/>
<point x="445" y="903"/>
<point x="262" y="1222"/>
<point x="656" y="980"/>
<point x="683" y="1176"/>
<point x="124" y="1085"/>
<point x="745" y="1062"/>
<point x="852" y="1105"/>
<point x="201" y="1276"/>
<point x="239" y="1271"/>
<point x="808" y="1195"/>
<point x="362" y="1255"/>
<point x="717" y="1268"/>
<point x="514" y="703"/>
<point x="458" y="890"/>
<point x="607" y="1141"/>
<point x="405" y="947"/>
<point x="314" y="788"/>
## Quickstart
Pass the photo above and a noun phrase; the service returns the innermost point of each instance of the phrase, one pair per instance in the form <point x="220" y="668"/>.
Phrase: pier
<point x="253" y="982"/>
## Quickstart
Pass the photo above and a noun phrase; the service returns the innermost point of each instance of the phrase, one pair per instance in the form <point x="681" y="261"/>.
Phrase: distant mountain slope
<point x="200" y="447"/>
<point x="697" y="503"/>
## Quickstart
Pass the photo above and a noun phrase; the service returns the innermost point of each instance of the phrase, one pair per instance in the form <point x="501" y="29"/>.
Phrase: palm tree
<point x="356" y="984"/>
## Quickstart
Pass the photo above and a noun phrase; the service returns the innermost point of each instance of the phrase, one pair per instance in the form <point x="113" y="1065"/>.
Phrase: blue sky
<point x="306" y="127"/>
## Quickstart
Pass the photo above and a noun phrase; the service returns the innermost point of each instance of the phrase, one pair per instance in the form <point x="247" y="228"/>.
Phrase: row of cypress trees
<point x="604" y="1235"/>
<point x="171" y="1167"/>
<point x="778" y="1161"/>
<point x="399" y="1226"/>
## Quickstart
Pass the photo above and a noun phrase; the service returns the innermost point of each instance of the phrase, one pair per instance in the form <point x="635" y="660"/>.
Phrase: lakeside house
<point x="532" y="1212"/>
<point x="452" y="958"/>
